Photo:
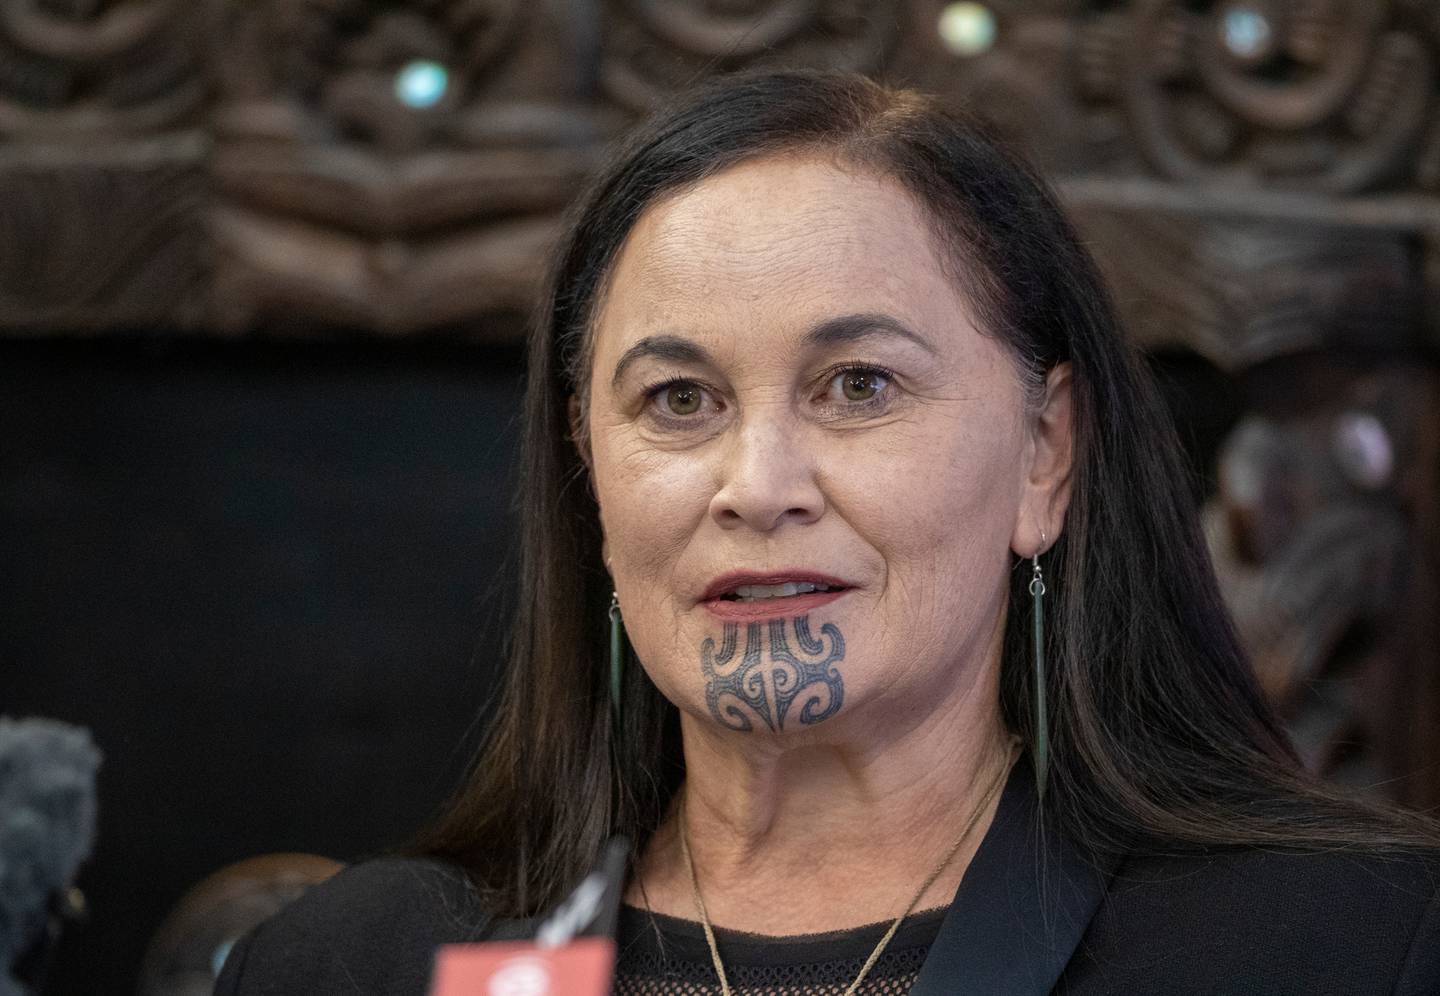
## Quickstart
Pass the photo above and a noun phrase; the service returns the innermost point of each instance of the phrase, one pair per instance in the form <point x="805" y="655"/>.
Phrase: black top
<point x="1032" y="916"/>
<point x="661" y="956"/>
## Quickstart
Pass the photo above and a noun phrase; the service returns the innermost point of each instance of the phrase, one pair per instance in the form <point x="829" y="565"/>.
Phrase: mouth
<point x="753" y="596"/>
<point x="766" y="592"/>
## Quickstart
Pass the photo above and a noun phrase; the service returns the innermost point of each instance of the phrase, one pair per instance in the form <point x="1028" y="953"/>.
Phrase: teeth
<point x="756" y="592"/>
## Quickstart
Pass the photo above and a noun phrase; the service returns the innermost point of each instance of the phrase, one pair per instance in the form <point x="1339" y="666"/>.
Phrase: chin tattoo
<point x="768" y="684"/>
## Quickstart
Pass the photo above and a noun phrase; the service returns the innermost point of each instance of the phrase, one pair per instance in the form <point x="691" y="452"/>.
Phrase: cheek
<point x="650" y="505"/>
<point x="939" y="505"/>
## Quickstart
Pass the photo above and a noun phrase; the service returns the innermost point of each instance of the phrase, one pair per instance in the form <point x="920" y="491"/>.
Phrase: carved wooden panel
<point x="1324" y="488"/>
<point x="1316" y="531"/>
<point x="377" y="165"/>
<point x="1337" y="96"/>
<point x="100" y="181"/>
<point x="1333" y="95"/>
<point x="1319" y="521"/>
<point x="652" y="48"/>
<point x="1013" y="63"/>
<point x="110" y="241"/>
<point x="76" y="68"/>
<point x="399" y="166"/>
<point x="1241" y="285"/>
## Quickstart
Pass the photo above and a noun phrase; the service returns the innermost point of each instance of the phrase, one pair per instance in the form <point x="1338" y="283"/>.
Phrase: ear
<point x="579" y="433"/>
<point x="1045" y="492"/>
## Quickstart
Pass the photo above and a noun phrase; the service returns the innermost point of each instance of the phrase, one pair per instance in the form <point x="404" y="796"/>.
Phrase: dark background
<point x="271" y="579"/>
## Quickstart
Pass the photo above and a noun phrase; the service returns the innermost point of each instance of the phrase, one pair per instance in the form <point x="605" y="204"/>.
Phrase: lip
<point x="777" y="608"/>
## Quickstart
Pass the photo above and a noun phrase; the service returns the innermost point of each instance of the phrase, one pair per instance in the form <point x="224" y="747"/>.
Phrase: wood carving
<point x="72" y="69"/>
<point x="652" y="48"/>
<point x="1331" y="95"/>
<point x="1242" y="290"/>
<point x="1021" y="81"/>
<point x="1314" y="533"/>
<point x="1317" y="522"/>
<point x="373" y="172"/>
<point x="102" y="246"/>
<point x="1337" y="96"/>
<point x="100" y="181"/>
<point x="1316" y="306"/>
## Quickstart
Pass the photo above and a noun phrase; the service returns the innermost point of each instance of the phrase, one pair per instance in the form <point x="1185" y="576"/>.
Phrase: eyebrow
<point x="846" y="329"/>
<point x="840" y="330"/>
<point x="676" y="349"/>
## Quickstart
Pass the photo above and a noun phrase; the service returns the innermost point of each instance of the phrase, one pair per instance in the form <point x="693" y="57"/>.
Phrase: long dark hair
<point x="1159" y="734"/>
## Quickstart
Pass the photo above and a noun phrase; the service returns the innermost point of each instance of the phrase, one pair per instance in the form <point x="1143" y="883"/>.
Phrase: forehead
<point x="778" y="242"/>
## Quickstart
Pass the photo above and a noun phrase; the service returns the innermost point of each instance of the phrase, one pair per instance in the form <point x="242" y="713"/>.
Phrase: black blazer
<point x="1031" y="917"/>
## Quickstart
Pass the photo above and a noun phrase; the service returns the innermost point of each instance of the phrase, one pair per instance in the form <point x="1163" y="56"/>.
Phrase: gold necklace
<point x="879" y="948"/>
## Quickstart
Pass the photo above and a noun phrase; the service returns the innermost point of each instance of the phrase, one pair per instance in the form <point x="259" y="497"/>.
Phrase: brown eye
<point x="860" y="385"/>
<point x="682" y="399"/>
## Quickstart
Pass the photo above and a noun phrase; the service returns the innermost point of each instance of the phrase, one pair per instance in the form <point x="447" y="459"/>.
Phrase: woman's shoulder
<point x="373" y="927"/>
<point x="1289" y="920"/>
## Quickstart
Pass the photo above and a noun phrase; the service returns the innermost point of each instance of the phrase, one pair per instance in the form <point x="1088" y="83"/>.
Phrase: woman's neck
<point x="792" y="839"/>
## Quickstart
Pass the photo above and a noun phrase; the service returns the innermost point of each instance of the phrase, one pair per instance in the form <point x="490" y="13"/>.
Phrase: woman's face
<point x="811" y="466"/>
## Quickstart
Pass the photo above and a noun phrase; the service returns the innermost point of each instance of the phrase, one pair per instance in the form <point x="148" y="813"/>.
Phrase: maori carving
<point x="74" y="67"/>
<point x="1313" y="532"/>
<point x="1331" y="95"/>
<point x="1318" y="522"/>
<point x="100" y="179"/>
<point x="337" y="65"/>
<point x="373" y="172"/>
<point x="104" y="245"/>
<point x="653" y="48"/>
<point x="1240" y="291"/>
<point x="768" y="678"/>
<point x="1013" y="69"/>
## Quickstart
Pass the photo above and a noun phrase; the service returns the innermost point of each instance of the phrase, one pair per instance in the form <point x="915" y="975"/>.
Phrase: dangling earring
<point x="617" y="657"/>
<point x="1042" y="726"/>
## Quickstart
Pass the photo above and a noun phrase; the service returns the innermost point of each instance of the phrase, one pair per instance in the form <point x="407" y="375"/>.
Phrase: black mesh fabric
<point x="665" y="956"/>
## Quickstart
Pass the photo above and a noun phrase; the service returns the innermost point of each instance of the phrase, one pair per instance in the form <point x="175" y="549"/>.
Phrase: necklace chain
<point x="854" y="987"/>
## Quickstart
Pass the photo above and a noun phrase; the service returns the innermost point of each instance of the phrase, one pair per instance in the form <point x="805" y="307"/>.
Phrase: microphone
<point x="571" y="952"/>
<point x="47" y="828"/>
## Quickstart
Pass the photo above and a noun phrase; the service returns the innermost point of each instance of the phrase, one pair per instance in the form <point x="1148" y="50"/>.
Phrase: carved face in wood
<point x="812" y="467"/>
<point x="1312" y="544"/>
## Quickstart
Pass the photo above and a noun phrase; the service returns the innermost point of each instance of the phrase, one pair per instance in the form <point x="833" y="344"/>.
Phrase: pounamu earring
<point x="617" y="656"/>
<point x="1041" y="746"/>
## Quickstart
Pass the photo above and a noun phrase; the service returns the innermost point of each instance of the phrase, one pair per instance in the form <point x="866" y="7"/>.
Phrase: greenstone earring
<point x="617" y="656"/>
<point x="1041" y="746"/>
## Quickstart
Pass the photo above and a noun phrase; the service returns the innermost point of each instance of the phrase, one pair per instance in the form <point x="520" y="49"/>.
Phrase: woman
<point x="828" y="394"/>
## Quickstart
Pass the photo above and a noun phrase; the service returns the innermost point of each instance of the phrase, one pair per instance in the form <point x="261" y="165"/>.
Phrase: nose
<point x="767" y="477"/>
